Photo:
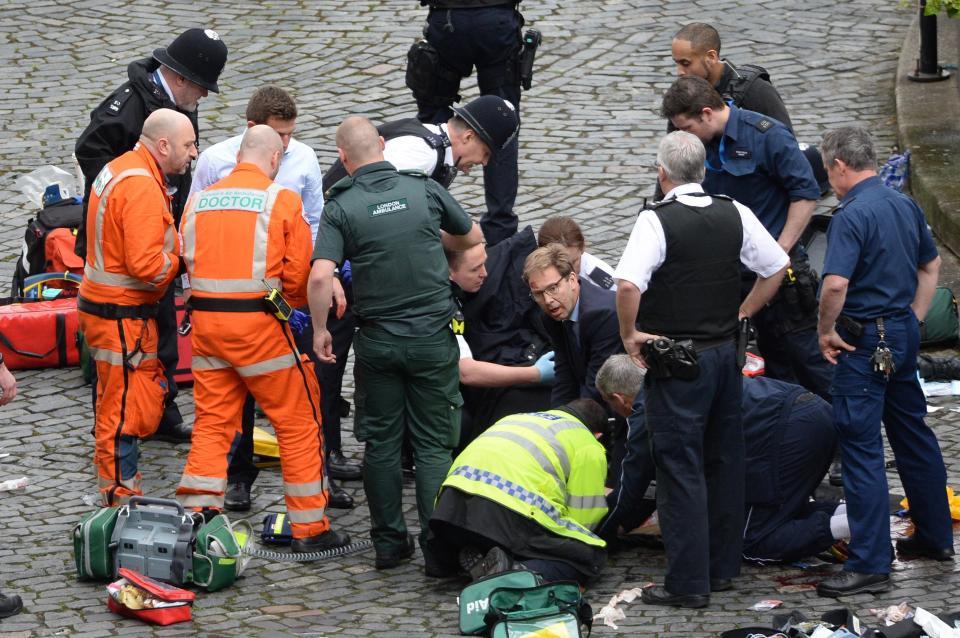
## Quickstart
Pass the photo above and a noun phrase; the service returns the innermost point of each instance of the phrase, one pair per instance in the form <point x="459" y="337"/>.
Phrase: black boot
<point x="337" y="497"/>
<point x="938" y="368"/>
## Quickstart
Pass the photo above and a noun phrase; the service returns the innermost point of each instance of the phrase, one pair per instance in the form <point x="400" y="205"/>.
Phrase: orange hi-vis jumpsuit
<point x="134" y="256"/>
<point x="240" y="235"/>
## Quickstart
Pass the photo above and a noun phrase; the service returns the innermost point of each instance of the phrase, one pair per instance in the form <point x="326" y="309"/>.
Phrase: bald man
<point x="388" y="224"/>
<point x="134" y="256"/>
<point x="245" y="240"/>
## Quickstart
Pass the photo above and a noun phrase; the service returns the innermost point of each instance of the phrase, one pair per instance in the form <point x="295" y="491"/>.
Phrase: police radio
<point x="531" y="40"/>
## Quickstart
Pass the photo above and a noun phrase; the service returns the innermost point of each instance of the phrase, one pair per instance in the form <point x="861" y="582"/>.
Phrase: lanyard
<point x="710" y="166"/>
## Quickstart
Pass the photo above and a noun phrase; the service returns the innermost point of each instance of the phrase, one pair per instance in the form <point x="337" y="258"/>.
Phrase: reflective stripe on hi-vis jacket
<point x="251" y="200"/>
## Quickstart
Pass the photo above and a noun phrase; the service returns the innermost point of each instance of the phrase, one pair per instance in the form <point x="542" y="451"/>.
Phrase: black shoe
<point x="658" y="595"/>
<point x="495" y="561"/>
<point x="339" y="467"/>
<point x="434" y="566"/>
<point x="721" y="584"/>
<point x="393" y="559"/>
<point x="915" y="548"/>
<point x="237" y="497"/>
<point x="849" y="583"/>
<point x="173" y="433"/>
<point x="836" y="474"/>
<point x="328" y="540"/>
<point x="337" y="497"/>
<point x="10" y="605"/>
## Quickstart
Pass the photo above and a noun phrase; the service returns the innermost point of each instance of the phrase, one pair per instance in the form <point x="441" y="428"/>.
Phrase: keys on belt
<point x="882" y="358"/>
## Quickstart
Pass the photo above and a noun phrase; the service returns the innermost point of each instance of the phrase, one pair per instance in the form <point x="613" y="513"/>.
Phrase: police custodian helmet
<point x="493" y="118"/>
<point x="198" y="55"/>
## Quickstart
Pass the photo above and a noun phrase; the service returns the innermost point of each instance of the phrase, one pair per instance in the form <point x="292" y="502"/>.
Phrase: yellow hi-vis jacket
<point x="546" y="466"/>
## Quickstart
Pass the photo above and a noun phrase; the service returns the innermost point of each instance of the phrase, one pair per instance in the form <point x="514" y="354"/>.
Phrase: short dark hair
<point x="701" y="35"/>
<point x="454" y="257"/>
<point x="850" y="144"/>
<point x="270" y="101"/>
<point x="562" y="230"/>
<point x="688" y="96"/>
<point x="588" y="412"/>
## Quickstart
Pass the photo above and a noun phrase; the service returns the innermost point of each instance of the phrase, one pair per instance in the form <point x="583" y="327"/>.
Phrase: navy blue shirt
<point x="876" y="239"/>
<point x="761" y="167"/>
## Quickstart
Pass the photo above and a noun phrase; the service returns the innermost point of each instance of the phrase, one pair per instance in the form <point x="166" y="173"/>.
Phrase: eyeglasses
<point x="550" y="291"/>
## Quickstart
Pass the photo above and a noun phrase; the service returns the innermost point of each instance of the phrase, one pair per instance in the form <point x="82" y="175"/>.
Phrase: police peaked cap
<point x="493" y="118"/>
<point x="198" y="55"/>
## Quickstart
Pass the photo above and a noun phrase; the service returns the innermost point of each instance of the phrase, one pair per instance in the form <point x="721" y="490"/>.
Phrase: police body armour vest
<point x="695" y="294"/>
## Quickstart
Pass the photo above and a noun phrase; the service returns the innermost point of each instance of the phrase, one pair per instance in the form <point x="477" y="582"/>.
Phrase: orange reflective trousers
<point x="129" y="398"/>
<point x="237" y="352"/>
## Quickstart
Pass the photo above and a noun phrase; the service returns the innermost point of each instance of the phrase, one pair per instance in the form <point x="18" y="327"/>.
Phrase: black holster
<point x="430" y="80"/>
<point x="667" y="358"/>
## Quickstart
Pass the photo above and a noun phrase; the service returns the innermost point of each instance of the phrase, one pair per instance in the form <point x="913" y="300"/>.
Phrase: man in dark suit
<point x="581" y="322"/>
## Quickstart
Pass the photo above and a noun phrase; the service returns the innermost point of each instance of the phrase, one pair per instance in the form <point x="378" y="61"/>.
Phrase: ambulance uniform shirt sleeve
<point x="759" y="251"/>
<point x="453" y="219"/>
<point x="330" y="234"/>
<point x="408" y="152"/>
<point x="646" y="249"/>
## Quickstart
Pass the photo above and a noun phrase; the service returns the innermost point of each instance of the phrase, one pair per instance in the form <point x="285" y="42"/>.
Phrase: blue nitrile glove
<point x="545" y="366"/>
<point x="298" y="321"/>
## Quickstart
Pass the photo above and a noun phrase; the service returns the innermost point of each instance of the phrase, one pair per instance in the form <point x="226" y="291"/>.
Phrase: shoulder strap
<point x="743" y="78"/>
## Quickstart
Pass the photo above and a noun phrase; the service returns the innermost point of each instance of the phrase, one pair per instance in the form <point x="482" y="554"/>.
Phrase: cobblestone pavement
<point x="590" y="128"/>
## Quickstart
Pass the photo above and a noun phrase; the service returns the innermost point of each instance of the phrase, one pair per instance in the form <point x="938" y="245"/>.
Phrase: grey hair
<point x="620" y="375"/>
<point x="850" y="144"/>
<point x="682" y="156"/>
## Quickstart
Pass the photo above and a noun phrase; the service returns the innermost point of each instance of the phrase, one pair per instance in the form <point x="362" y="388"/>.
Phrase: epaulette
<point x="338" y="187"/>
<point x="413" y="172"/>
<point x="118" y="100"/>
<point x="763" y="124"/>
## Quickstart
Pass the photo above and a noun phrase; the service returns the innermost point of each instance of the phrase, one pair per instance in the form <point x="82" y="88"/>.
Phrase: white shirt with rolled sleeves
<point x="647" y="247"/>
<point x="409" y="152"/>
<point x="299" y="171"/>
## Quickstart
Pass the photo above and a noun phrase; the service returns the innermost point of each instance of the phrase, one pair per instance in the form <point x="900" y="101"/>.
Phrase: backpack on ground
<point x="33" y="260"/>
<point x="941" y="325"/>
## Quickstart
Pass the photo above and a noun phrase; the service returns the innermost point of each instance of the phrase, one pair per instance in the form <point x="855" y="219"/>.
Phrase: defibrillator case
<point x="155" y="537"/>
<point x="92" y="544"/>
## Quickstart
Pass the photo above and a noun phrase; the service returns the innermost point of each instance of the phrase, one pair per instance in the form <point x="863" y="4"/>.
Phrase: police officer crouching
<point x="678" y="309"/>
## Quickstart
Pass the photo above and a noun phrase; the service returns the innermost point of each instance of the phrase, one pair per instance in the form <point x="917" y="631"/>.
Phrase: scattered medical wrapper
<point x="610" y="613"/>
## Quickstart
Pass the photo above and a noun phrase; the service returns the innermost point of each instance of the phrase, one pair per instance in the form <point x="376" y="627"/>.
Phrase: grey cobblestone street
<point x="590" y="127"/>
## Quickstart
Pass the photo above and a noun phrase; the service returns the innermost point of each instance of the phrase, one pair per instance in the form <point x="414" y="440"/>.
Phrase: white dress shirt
<point x="299" y="171"/>
<point x="647" y="247"/>
<point x="409" y="152"/>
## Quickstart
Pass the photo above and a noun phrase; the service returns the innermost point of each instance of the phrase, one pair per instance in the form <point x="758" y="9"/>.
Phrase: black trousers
<point x="792" y="527"/>
<point x="696" y="438"/>
<point x="487" y="38"/>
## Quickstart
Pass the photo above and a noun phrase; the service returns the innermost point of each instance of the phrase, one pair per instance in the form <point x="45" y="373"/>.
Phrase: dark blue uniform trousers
<point x="792" y="527"/>
<point x="488" y="38"/>
<point x="696" y="438"/>
<point x="861" y="398"/>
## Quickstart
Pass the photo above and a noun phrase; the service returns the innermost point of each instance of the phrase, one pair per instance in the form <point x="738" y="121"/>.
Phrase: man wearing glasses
<point x="581" y="322"/>
<point x="756" y="160"/>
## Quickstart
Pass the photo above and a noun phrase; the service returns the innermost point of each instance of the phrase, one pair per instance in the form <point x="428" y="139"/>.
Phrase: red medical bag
<point x="39" y="334"/>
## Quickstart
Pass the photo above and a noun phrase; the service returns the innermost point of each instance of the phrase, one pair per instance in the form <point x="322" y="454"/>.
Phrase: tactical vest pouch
<point x="553" y="609"/>
<point x="155" y="537"/>
<point x="668" y="358"/>
<point x="430" y="80"/>
<point x="92" y="548"/>
<point x="218" y="558"/>
<point x="474" y="597"/>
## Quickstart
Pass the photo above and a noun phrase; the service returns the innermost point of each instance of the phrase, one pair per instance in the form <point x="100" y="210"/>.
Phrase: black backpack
<point x="65" y="214"/>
